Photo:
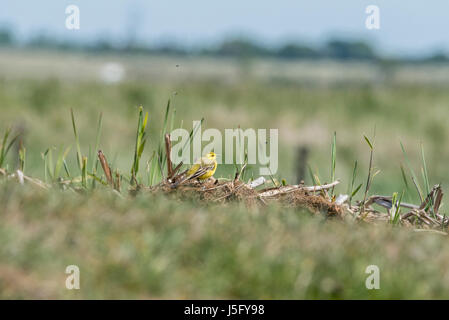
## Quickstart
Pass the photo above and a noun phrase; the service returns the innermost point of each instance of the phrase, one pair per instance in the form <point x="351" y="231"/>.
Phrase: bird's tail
<point x="181" y="178"/>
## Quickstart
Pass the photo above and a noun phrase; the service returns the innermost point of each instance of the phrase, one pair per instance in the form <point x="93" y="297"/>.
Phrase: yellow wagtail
<point x="202" y="169"/>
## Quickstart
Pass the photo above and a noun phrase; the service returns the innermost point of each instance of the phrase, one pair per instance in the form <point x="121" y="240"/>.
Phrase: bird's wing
<point x="200" y="171"/>
<point x="197" y="170"/>
<point x="193" y="169"/>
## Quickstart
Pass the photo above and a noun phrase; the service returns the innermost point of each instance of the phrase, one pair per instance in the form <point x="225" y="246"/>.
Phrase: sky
<point x="406" y="27"/>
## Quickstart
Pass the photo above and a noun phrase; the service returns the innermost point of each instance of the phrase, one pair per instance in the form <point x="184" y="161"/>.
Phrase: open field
<point x="305" y="114"/>
<point x="156" y="248"/>
<point x="152" y="246"/>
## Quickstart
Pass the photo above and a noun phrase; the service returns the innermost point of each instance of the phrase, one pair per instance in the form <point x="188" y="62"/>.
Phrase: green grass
<point x="304" y="116"/>
<point x="154" y="247"/>
<point x="6" y="146"/>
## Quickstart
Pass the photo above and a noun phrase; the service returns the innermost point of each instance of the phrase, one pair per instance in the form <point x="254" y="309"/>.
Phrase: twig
<point x="287" y="189"/>
<point x="230" y="193"/>
<point x="117" y="186"/>
<point x="21" y="177"/>
<point x="106" y="168"/>
<point x="215" y="188"/>
<point x="36" y="182"/>
<point x="168" y="153"/>
<point x="319" y="188"/>
<point x="238" y="174"/>
<point x="407" y="215"/>
<point x="385" y="202"/>
<point x="429" y="197"/>
<point x="439" y="197"/>
<point x="176" y="169"/>
<point x="417" y="214"/>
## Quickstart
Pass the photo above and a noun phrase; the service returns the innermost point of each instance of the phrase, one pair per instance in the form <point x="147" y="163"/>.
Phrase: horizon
<point x="415" y="30"/>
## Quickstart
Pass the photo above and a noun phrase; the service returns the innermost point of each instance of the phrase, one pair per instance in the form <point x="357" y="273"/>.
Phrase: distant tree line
<point x="336" y="49"/>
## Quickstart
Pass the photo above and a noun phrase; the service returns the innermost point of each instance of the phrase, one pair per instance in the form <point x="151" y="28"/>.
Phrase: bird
<point x="202" y="169"/>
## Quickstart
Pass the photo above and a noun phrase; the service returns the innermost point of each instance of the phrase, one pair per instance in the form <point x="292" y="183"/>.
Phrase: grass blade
<point x="140" y="144"/>
<point x="6" y="146"/>
<point x="412" y="172"/>
<point x="312" y="176"/>
<point x="84" y="172"/>
<point x="356" y="190"/>
<point x="78" y="148"/>
<point x="424" y="171"/>
<point x="60" y="162"/>
<point x="368" y="142"/>
<point x="97" y="142"/>
<point x="370" y="169"/>
<point x="333" y="160"/>
<point x="351" y="188"/>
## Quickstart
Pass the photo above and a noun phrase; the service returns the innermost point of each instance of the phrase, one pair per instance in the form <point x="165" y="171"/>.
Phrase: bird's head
<point x="211" y="156"/>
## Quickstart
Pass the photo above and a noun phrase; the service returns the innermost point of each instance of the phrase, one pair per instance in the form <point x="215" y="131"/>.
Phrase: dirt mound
<point x="315" y="203"/>
<point x="214" y="191"/>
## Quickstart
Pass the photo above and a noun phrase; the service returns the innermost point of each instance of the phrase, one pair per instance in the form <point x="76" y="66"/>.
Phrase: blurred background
<point x="308" y="69"/>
